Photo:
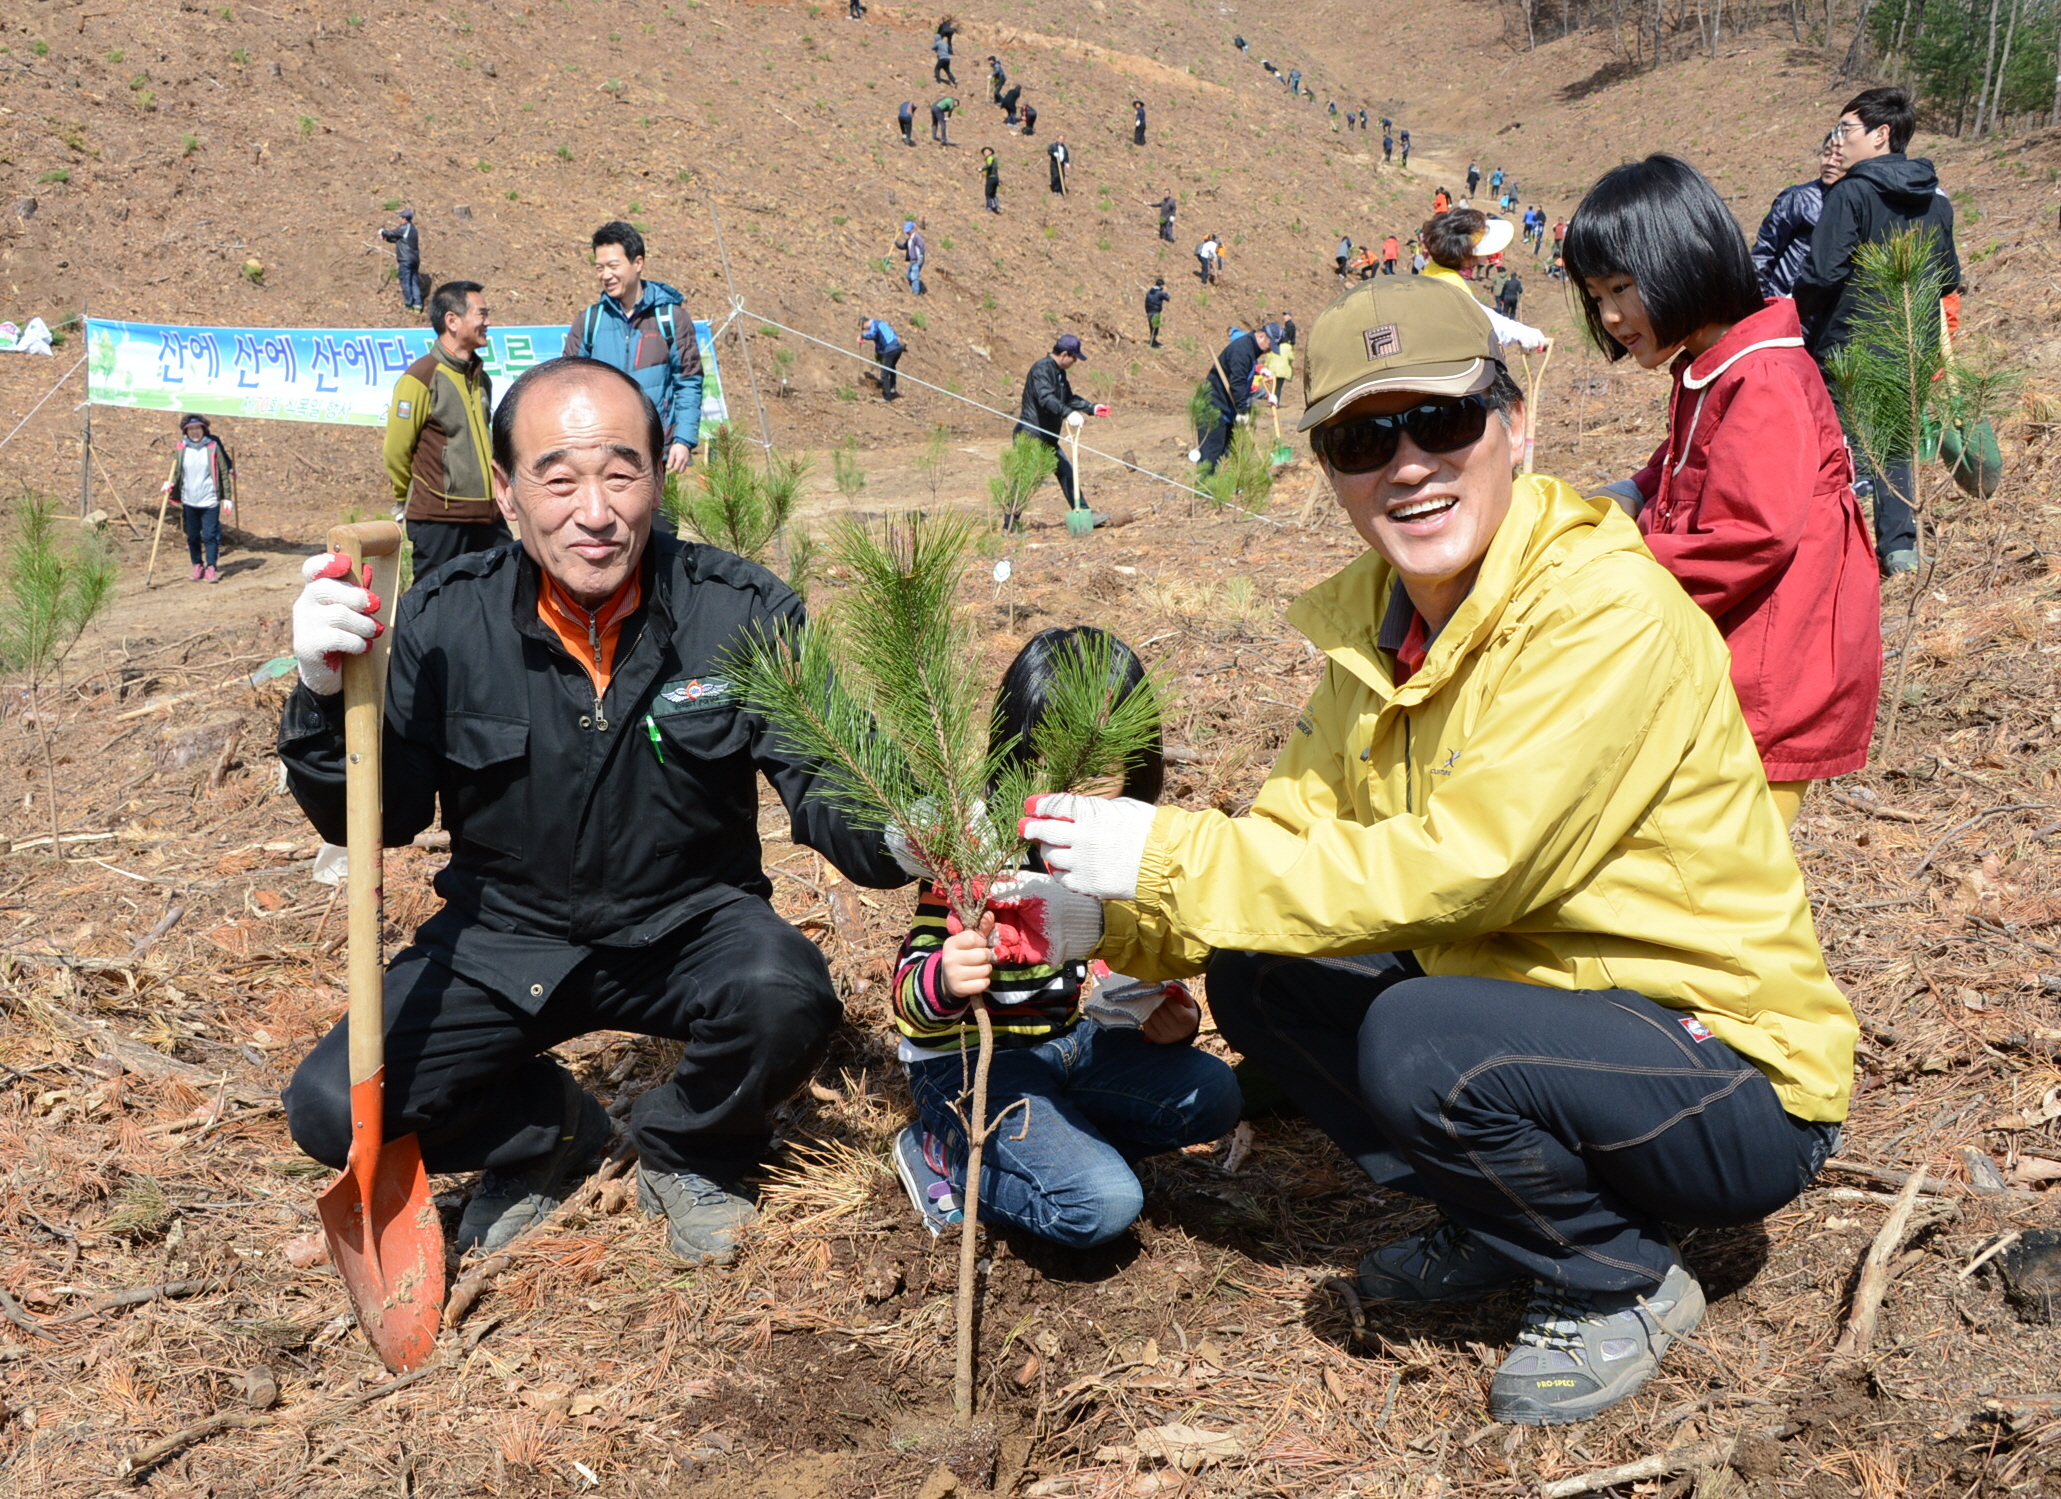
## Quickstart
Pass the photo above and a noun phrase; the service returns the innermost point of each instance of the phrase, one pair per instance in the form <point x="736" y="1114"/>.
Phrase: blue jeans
<point x="916" y="277"/>
<point x="1080" y="1109"/>
<point x="203" y="531"/>
<point x="411" y="285"/>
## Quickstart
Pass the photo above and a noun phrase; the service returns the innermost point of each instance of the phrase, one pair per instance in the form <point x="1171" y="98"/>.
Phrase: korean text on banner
<point x="341" y="376"/>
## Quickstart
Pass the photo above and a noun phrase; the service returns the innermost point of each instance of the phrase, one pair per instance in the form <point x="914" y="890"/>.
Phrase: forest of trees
<point x="1976" y="66"/>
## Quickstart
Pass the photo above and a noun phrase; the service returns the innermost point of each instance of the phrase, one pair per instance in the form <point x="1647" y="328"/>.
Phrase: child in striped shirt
<point x="1093" y="1071"/>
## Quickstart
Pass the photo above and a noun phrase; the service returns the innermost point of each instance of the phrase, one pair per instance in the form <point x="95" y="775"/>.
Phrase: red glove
<point x="1101" y="411"/>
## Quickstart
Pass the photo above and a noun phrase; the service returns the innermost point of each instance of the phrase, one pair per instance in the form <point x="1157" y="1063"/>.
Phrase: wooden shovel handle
<point x="363" y="685"/>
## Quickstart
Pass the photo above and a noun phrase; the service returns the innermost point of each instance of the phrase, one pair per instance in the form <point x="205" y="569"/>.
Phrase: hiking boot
<point x="211" y="575"/>
<point x="196" y="572"/>
<point x="1899" y="562"/>
<point x="703" y="1217"/>
<point x="1580" y="1352"/>
<point x="920" y="1163"/>
<point x="514" y="1201"/>
<point x="1445" y="1263"/>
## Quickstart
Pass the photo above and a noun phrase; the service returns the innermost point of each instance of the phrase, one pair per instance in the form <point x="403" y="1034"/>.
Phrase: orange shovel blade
<point x="385" y="1238"/>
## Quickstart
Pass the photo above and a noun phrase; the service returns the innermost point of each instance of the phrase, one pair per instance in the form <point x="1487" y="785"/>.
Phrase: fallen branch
<point x="472" y="1285"/>
<point x="149" y="939"/>
<point x="1966" y="823"/>
<point x="1875" y="1275"/>
<point x="136" y="1467"/>
<point x="1873" y="809"/>
<point x="170" y="1290"/>
<point x="12" y="1311"/>
<point x="1660" y="1465"/>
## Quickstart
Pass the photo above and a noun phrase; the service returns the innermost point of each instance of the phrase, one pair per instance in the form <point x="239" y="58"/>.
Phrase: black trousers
<point x="942" y="73"/>
<point x="749" y="995"/>
<point x="438" y="541"/>
<point x="908" y="131"/>
<point x="1215" y="439"/>
<point x="1896" y="528"/>
<point x="1563" y="1128"/>
<point x="887" y="359"/>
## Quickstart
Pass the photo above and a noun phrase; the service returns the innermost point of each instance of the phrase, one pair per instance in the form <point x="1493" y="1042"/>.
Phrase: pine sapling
<point x="733" y="502"/>
<point x="1025" y="466"/>
<point x="846" y="469"/>
<point x="886" y="694"/>
<point x="1242" y="479"/>
<point x="49" y="600"/>
<point x="1885" y="376"/>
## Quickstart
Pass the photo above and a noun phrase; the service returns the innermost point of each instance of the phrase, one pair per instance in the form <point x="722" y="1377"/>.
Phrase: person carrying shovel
<point x="564" y="704"/>
<point x="1061" y="159"/>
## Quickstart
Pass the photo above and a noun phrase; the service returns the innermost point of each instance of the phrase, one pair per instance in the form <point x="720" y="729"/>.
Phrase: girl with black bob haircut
<point x="1659" y="222"/>
<point x="1749" y="501"/>
<point x="1094" y="1071"/>
<point x="1020" y="700"/>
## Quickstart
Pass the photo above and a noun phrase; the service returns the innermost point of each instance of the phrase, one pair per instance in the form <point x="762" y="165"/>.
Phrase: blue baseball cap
<point x="1069" y="344"/>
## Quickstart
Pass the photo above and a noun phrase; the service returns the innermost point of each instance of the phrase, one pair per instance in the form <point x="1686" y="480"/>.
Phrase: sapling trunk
<point x="977" y="1132"/>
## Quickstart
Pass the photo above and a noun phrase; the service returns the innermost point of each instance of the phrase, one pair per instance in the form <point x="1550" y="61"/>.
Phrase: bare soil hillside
<point x="158" y="983"/>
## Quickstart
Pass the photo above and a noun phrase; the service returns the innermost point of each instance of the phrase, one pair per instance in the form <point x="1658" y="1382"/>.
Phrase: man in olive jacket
<point x="436" y="435"/>
<point x="565" y="703"/>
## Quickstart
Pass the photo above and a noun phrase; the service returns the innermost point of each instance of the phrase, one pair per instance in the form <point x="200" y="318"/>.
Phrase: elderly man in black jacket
<point x="1230" y="390"/>
<point x="565" y="701"/>
<point x="1048" y="403"/>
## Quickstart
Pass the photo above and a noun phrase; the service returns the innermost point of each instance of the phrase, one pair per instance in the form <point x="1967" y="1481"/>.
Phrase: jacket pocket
<point x="713" y="733"/>
<point x="483" y="801"/>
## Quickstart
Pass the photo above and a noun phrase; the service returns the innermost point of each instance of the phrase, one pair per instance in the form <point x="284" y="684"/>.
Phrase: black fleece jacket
<point x="576" y="823"/>
<point x="1876" y="200"/>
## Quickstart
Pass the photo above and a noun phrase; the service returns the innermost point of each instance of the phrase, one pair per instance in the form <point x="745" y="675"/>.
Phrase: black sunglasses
<point x="1362" y="444"/>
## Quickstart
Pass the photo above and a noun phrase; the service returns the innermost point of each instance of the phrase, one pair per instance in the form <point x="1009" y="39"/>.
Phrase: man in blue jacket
<point x="644" y="329"/>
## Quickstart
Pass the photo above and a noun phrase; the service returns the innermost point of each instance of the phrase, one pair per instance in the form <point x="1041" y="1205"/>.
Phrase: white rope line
<point x="1007" y="416"/>
<point x="4" y="441"/>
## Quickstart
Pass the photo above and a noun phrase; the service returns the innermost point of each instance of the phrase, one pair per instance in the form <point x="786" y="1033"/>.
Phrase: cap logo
<point x="1383" y="341"/>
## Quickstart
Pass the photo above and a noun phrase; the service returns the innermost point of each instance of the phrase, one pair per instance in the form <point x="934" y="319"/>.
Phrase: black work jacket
<point x="574" y="823"/>
<point x="1235" y="364"/>
<point x="1047" y="397"/>
<point x="1877" y="199"/>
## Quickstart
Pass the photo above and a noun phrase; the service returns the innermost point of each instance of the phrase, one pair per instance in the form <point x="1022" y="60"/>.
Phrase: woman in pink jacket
<point x="1749" y="501"/>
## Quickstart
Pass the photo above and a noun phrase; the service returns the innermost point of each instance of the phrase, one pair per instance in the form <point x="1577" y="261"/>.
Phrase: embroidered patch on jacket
<point x="1698" y="1031"/>
<point x="682" y="697"/>
<point x="404" y="409"/>
<point x="1452" y="763"/>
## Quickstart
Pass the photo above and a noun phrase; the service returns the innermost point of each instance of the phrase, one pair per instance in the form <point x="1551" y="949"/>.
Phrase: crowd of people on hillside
<point x="1515" y="919"/>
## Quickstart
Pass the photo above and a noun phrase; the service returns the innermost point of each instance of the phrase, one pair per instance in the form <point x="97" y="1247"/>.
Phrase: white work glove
<point x="1039" y="921"/>
<point x="903" y="851"/>
<point x="1093" y="843"/>
<point x="332" y="618"/>
<point x="1121" y="1002"/>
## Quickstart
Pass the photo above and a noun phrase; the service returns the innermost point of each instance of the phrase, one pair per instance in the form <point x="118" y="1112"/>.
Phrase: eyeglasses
<point x="1849" y="127"/>
<point x="1362" y="444"/>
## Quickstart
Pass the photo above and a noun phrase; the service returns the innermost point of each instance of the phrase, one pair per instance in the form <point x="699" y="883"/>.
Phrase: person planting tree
<point x="565" y="704"/>
<point x="1093" y="1071"/>
<point x="1515" y="917"/>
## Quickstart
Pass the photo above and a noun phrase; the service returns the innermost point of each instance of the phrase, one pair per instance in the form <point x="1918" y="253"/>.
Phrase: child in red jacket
<point x="1749" y="502"/>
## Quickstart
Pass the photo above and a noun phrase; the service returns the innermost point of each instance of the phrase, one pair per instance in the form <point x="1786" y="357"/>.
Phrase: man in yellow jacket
<point x="1514" y="918"/>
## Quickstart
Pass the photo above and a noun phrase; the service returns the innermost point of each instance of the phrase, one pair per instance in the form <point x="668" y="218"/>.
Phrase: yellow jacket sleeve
<point x="1543" y="787"/>
<point x="406" y="414"/>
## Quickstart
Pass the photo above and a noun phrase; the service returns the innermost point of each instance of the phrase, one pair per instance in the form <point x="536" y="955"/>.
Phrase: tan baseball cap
<point x="1417" y="333"/>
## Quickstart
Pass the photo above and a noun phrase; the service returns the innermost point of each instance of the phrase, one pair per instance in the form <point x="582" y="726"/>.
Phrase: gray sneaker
<point x="1580" y="1352"/>
<point x="703" y="1217"/>
<point x="507" y="1203"/>
<point x="1447" y="1263"/>
<point x="1899" y="562"/>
